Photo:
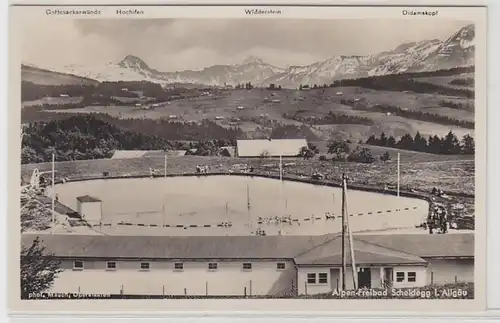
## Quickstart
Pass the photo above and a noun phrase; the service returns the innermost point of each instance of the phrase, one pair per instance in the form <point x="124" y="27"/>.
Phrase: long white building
<point x="269" y="147"/>
<point x="253" y="265"/>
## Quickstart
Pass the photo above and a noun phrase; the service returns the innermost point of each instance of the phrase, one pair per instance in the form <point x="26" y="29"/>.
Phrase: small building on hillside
<point x="90" y="208"/>
<point x="269" y="147"/>
<point x="276" y="266"/>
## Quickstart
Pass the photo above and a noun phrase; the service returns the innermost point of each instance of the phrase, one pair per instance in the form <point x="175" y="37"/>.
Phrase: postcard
<point x="276" y="159"/>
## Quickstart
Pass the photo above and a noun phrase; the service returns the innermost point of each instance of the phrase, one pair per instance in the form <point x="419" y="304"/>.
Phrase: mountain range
<point x="428" y="55"/>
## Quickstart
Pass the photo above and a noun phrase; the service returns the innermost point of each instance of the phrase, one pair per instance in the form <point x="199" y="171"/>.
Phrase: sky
<point x="180" y="44"/>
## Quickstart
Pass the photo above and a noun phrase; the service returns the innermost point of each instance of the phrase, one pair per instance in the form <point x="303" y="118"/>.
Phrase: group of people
<point x="437" y="219"/>
<point x="202" y="169"/>
<point x="287" y="219"/>
<point x="329" y="216"/>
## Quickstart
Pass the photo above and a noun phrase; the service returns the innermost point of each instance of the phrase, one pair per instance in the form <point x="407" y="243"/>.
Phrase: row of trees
<point x="401" y="82"/>
<point x="315" y="86"/>
<point x="448" y="144"/>
<point x="341" y="151"/>
<point x="331" y="118"/>
<point x="412" y="114"/>
<point x="404" y="81"/>
<point x="164" y="128"/>
<point x="88" y="137"/>
<point x="129" y="89"/>
<point x="457" y="105"/>
<point x="247" y="86"/>
<point x="288" y="131"/>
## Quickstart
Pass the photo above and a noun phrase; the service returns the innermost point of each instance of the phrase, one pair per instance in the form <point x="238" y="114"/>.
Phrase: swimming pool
<point x="193" y="205"/>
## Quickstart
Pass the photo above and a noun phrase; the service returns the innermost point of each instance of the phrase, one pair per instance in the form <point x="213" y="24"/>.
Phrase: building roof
<point x="429" y="246"/>
<point x="161" y="153"/>
<point x="305" y="250"/>
<point x="270" y="147"/>
<point x="330" y="253"/>
<point x="177" y="247"/>
<point x="87" y="199"/>
<point x="124" y="154"/>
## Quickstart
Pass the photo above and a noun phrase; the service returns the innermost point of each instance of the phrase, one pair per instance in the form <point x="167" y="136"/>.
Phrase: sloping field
<point x="251" y="108"/>
<point x="407" y="156"/>
<point x="449" y="175"/>
<point x="45" y="77"/>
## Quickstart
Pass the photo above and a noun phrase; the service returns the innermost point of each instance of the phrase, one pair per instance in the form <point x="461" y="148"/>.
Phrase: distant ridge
<point x="458" y="50"/>
<point x="41" y="76"/>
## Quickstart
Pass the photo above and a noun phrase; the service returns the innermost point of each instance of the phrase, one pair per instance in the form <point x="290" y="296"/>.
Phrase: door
<point x="388" y="277"/>
<point x="364" y="278"/>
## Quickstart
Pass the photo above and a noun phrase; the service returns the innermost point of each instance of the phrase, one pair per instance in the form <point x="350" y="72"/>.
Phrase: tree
<point x="406" y="142"/>
<point x="420" y="144"/>
<point x="450" y="144"/>
<point x="383" y="139"/>
<point x="29" y="155"/>
<point x="434" y="145"/>
<point x="39" y="269"/>
<point x="385" y="156"/>
<point x="313" y="148"/>
<point x="391" y="142"/>
<point x="361" y="155"/>
<point x="337" y="147"/>
<point x="468" y="145"/>
<point x="372" y="140"/>
<point x="263" y="155"/>
<point x="340" y="149"/>
<point x="306" y="153"/>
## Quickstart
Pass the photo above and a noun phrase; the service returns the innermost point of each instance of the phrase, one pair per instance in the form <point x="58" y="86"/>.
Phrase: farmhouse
<point x="269" y="147"/>
<point x="253" y="265"/>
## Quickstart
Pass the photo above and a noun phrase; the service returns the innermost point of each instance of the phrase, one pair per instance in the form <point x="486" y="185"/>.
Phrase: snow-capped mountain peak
<point x="253" y="60"/>
<point x="131" y="61"/>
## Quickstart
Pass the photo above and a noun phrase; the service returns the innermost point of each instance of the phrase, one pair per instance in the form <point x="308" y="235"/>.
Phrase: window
<point x="78" y="265"/>
<point x="178" y="266"/>
<point x="247" y="266"/>
<point x="144" y="265"/>
<point x="400" y="276"/>
<point x="323" y="278"/>
<point x="212" y="266"/>
<point x="110" y="265"/>
<point x="280" y="266"/>
<point x="311" y="278"/>
<point x="412" y="277"/>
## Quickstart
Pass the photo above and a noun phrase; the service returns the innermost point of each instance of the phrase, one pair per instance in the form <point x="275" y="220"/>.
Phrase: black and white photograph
<point x="260" y="158"/>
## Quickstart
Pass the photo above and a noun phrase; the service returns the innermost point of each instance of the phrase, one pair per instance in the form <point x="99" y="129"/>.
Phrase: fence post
<point x="163" y="290"/>
<point x="245" y="291"/>
<point x="121" y="290"/>
<point x="206" y="288"/>
<point x="250" y="287"/>
<point x="305" y="287"/>
<point x="185" y="291"/>
<point x="432" y="277"/>
<point x="337" y="288"/>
